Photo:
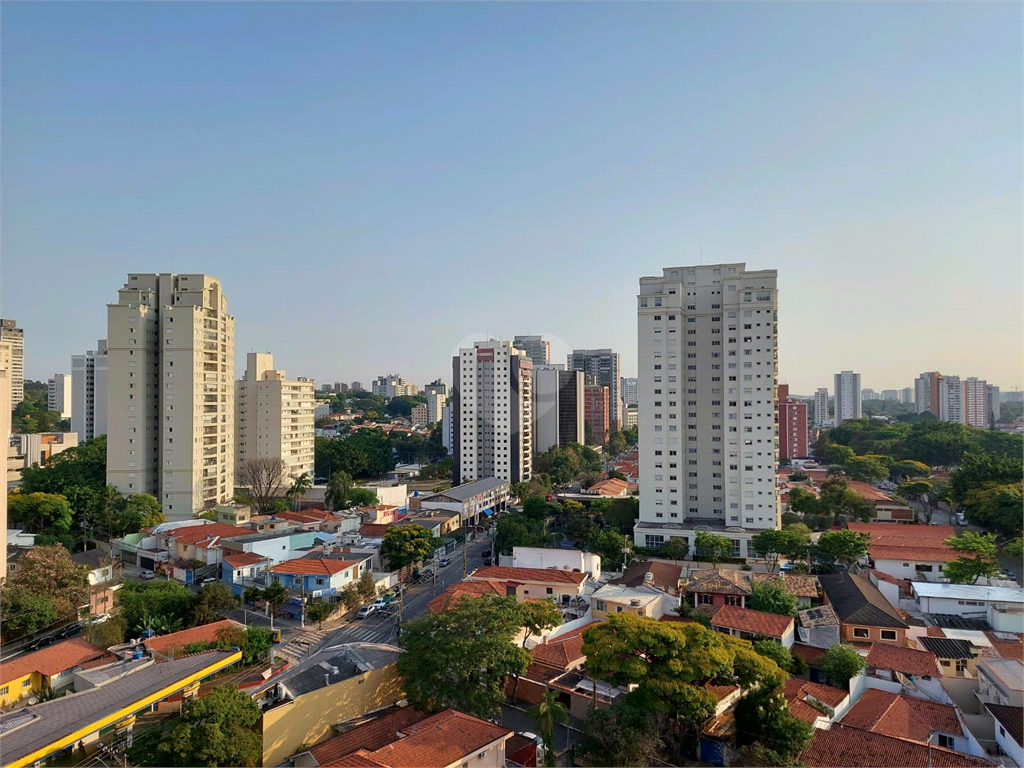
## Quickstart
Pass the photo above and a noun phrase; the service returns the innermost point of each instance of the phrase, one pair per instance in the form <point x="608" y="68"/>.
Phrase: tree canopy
<point x="407" y="545"/>
<point x="840" y="663"/>
<point x="773" y="597"/>
<point x="215" y="730"/>
<point x="977" y="559"/>
<point x="846" y="546"/>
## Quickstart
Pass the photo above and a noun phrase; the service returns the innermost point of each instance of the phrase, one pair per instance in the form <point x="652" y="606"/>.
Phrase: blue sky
<point x="375" y="184"/>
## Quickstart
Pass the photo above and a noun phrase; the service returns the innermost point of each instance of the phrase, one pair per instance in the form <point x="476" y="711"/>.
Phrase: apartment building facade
<point x="926" y="392"/>
<point x="492" y="413"/>
<point x="170" y="371"/>
<point x="273" y="417"/>
<point x="976" y="403"/>
<point x="5" y="433"/>
<point x="821" y="416"/>
<point x="707" y="377"/>
<point x="951" y="399"/>
<point x="848" y="397"/>
<point x="393" y="385"/>
<point x="597" y="404"/>
<point x="89" y="392"/>
<point x="58" y="394"/>
<point x="605" y="366"/>
<point x="791" y="416"/>
<point x="629" y="396"/>
<point x="558" y="407"/>
<point x="14" y="337"/>
<point x="537" y="348"/>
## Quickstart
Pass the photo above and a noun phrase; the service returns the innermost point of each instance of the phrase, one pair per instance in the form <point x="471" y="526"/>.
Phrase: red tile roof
<point x="722" y="581"/>
<point x="243" y="559"/>
<point x="747" y="620"/>
<point x="193" y="534"/>
<point x="562" y="651"/>
<point x="721" y="691"/>
<point x="802" y="692"/>
<point x="371" y="735"/>
<point x="207" y="633"/>
<point x="1008" y="649"/>
<point x="842" y="747"/>
<point x="906" y="660"/>
<point x="611" y="487"/>
<point x="372" y="530"/>
<point x="902" y="717"/>
<point x="535" y="575"/>
<point x="462" y="589"/>
<point x="914" y="554"/>
<point x="808" y="653"/>
<point x="440" y="740"/>
<point x="866" y="491"/>
<point x="795" y="584"/>
<point x="922" y="543"/>
<point x="52" y="660"/>
<point x="313" y="566"/>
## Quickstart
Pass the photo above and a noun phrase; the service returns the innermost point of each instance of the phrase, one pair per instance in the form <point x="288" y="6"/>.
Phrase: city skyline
<point x="322" y="160"/>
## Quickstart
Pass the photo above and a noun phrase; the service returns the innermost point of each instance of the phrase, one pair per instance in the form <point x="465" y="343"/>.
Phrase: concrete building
<point x="926" y="392"/>
<point x="447" y="428"/>
<point x="891" y="394"/>
<point x="821" y="416"/>
<point x="357" y="386"/>
<point x="171" y="352"/>
<point x="632" y="417"/>
<point x="976" y="403"/>
<point x="14" y="336"/>
<point x="707" y="370"/>
<point x="35" y="448"/>
<point x="436" y="387"/>
<point x="869" y="394"/>
<point x="537" y="348"/>
<point x="848" y="399"/>
<point x="436" y="401"/>
<point x="629" y="391"/>
<point x="5" y="431"/>
<point x="418" y="416"/>
<point x="58" y="394"/>
<point x="492" y="413"/>
<point x="907" y="396"/>
<point x="558" y="408"/>
<point x="273" y="417"/>
<point x="89" y="392"/>
<point x="791" y="417"/>
<point x="951" y="400"/>
<point x="393" y="385"/>
<point x="597" y="404"/>
<point x="605" y="366"/>
<point x="993" y="402"/>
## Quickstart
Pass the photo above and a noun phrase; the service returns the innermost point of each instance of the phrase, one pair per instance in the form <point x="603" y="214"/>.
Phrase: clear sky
<point x="375" y="184"/>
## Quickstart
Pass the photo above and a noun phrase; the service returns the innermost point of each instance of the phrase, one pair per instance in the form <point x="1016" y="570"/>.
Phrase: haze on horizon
<point x="378" y="184"/>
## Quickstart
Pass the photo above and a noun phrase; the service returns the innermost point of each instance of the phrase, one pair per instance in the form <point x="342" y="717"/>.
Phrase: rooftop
<point x="842" y="746"/>
<point x="805" y="699"/>
<point x="315" y="566"/>
<point x="747" y="620"/>
<point x="52" y="660"/>
<point x="722" y="581"/>
<point x="194" y="534"/>
<point x="562" y="651"/>
<point x="1011" y="718"/>
<point x="442" y="739"/>
<point x="664" y="575"/>
<point x="619" y="593"/>
<point x="338" y="663"/>
<point x="945" y="648"/>
<point x="370" y="735"/>
<point x="906" y="660"/>
<point x="857" y="601"/>
<point x="206" y="633"/>
<point x="468" y="490"/>
<point x="243" y="559"/>
<point x="969" y="592"/>
<point x="462" y="589"/>
<point x="902" y="717"/>
<point x="820" y="616"/>
<point x="542" y="575"/>
<point x="1010" y="672"/>
<point x="796" y="584"/>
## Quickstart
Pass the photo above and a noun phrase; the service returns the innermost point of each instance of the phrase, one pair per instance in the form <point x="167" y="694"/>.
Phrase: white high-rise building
<point x="707" y="385"/>
<point x="273" y="417"/>
<point x="537" y="348"/>
<point x="14" y="336"/>
<point x="58" y="394"/>
<point x="926" y="392"/>
<point x="492" y="413"/>
<point x="436" y="401"/>
<point x="951" y="399"/>
<point x="869" y="394"/>
<point x="907" y="395"/>
<point x="848" y="400"/>
<point x="89" y="392"/>
<point x="976" y="403"/>
<point x="604" y="365"/>
<point x="629" y="392"/>
<point x="821" y="407"/>
<point x="170" y="355"/>
<point x="393" y="385"/>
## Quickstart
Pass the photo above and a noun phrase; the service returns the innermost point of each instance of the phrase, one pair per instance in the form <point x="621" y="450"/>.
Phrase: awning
<point x="488" y="512"/>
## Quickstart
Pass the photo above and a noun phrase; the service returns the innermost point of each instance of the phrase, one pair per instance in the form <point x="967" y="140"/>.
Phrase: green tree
<point x="804" y="502"/>
<point x="49" y="571"/>
<point x="548" y="713"/>
<point x="299" y="488"/>
<point x="838" y="499"/>
<point x="362" y="497"/>
<point x="908" y="468"/>
<point x="407" y="545"/>
<point x="139" y="601"/>
<point x="209" y="601"/>
<point x="367" y="586"/>
<point x="251" y="594"/>
<point x="771" y="544"/>
<point x="463" y="656"/>
<point x="350" y="597"/>
<point x="519" y="491"/>
<point x="777" y="653"/>
<point x="916" y="490"/>
<point x="840" y="663"/>
<point x="839" y="454"/>
<point x="674" y="549"/>
<point x="517" y="530"/>
<point x="846" y="546"/>
<point x="711" y="546"/>
<point x="215" y="730"/>
<point x="621" y="735"/>
<point x="138" y="511"/>
<point x="996" y="506"/>
<point x="977" y="559"/>
<point x="24" y="611"/>
<point x="536" y="617"/>
<point x="1014" y="548"/>
<point x="763" y="717"/>
<point x="40" y="512"/>
<point x="868" y="469"/>
<point x="773" y="597"/>
<point x="318" y="611"/>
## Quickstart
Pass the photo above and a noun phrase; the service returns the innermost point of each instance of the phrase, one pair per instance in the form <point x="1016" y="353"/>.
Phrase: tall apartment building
<point x="891" y="394"/>
<point x="597" y="403"/>
<point x="418" y="416"/>
<point x="629" y="392"/>
<point x="605" y="366"/>
<point x="848" y="399"/>
<point x="5" y="435"/>
<point x="58" y="394"/>
<point x="492" y="413"/>
<point x="976" y="403"/>
<point x="357" y="386"/>
<point x="559" y="416"/>
<point x="537" y="348"/>
<point x="926" y="392"/>
<point x="170" y="379"/>
<point x="993" y="402"/>
<point x="89" y="392"/>
<point x="951" y="399"/>
<point x="273" y="417"/>
<point x="707" y="375"/>
<point x="907" y="395"/>
<point x="393" y="385"/>
<point x="869" y="394"/>
<point x="791" y="416"/>
<point x="447" y="436"/>
<point x="437" y="398"/>
<point x="11" y="334"/>
<point x="436" y="387"/>
<point x="821" y="417"/>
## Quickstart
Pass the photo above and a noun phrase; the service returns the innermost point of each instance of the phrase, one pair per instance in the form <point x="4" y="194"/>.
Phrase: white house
<point x="1001" y="681"/>
<point x="1008" y="727"/>
<point x="967" y="600"/>
<point x="561" y="559"/>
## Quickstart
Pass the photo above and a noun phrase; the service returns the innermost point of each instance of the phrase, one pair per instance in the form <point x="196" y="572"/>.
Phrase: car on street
<point x="71" y="630"/>
<point x="487" y="562"/>
<point x="210" y="580"/>
<point x="365" y="611"/>
<point x="444" y="562"/>
<point x="147" y="575"/>
<point x="786" y="567"/>
<point x="41" y="642"/>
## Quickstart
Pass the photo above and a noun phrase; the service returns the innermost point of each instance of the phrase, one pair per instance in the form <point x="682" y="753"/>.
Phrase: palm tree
<point x="547" y="714"/>
<point x="299" y="487"/>
<point x="338" y="488"/>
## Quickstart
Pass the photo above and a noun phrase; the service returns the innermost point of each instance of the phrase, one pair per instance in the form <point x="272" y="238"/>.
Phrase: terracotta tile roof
<point x="313" y="566"/>
<point x="722" y="581"/>
<point x="675" y="618"/>
<point x="1011" y="718"/>
<point x="824" y="693"/>
<point x="535" y="575"/>
<point x="563" y="650"/>
<point x="747" y="620"/>
<point x="243" y="559"/>
<point x="883" y="576"/>
<point x="442" y="739"/>
<point x="934" y="632"/>
<point x="890" y="542"/>
<point x="866" y="491"/>
<point x="842" y="747"/>
<point x="796" y="584"/>
<point x="720" y="692"/>
<point x="858" y="601"/>
<point x="372" y="530"/>
<point x="902" y="717"/>
<point x="541" y="673"/>
<point x="207" y="633"/>
<point x="193" y="534"/>
<point x="462" y="589"/>
<point x="906" y="660"/>
<point x="610" y="487"/>
<point x="808" y="653"/>
<point x="52" y="660"/>
<point x="919" y="554"/>
<point x="1008" y="649"/>
<point x="371" y="735"/>
<point x="665" y="575"/>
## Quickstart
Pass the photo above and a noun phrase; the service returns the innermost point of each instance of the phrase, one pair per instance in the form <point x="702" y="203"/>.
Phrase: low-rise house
<point x="449" y="739"/>
<point x="865" y="616"/>
<point x="378" y="514"/>
<point x="666" y="577"/>
<point x="611" y="487"/>
<point x="967" y="600"/>
<point x="804" y="588"/>
<point x="460" y="589"/>
<point x="819" y="627"/>
<point x="646" y="602"/>
<point x="908" y="552"/>
<point x="957" y="658"/>
<point x="276" y="545"/>
<point x="552" y="658"/>
<point x="48" y="669"/>
<point x="561" y="559"/>
<point x="102" y="568"/>
<point x="243" y="570"/>
<point x="1009" y="730"/>
<point x="472" y="501"/>
<point x="815" y="703"/>
<point x="842" y="746"/>
<point x="562" y="586"/>
<point x="725" y="586"/>
<point x="449" y="521"/>
<point x="1001" y="681"/>
<point x="172" y="645"/>
<point x="909" y="718"/>
<point x="269" y="523"/>
<point x="749" y="624"/>
<point x="899" y="664"/>
<point x="318" y="577"/>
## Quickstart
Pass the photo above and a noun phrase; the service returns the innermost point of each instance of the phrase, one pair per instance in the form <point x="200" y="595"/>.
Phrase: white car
<point x="365" y="611"/>
<point x="147" y="575"/>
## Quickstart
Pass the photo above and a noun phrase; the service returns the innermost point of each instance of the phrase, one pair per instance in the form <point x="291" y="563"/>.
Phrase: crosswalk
<point x="366" y="633"/>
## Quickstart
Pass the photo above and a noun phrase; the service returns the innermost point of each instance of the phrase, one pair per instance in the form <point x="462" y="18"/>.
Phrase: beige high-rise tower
<point x="5" y="433"/>
<point x="274" y="417"/>
<point x="170" y="392"/>
<point x="14" y="337"/>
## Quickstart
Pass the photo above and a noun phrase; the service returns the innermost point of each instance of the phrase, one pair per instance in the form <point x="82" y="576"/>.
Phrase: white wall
<point x="900" y="571"/>
<point x="391" y="495"/>
<point x="1008" y="745"/>
<point x="889" y="591"/>
<point x="561" y="559"/>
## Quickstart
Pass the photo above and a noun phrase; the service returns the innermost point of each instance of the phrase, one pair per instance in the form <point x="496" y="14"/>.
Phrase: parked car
<point x="365" y="611"/>
<point x="147" y="575"/>
<point x="445" y="562"/>
<point x="487" y="562"/>
<point x="786" y="567"/>
<point x="101" y="618"/>
<point x="41" y="642"/>
<point x="379" y="603"/>
<point x="210" y="580"/>
<point x="71" y="630"/>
